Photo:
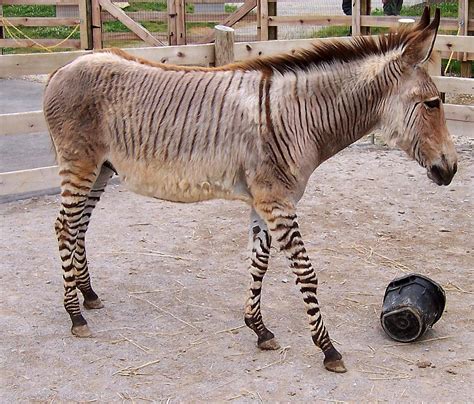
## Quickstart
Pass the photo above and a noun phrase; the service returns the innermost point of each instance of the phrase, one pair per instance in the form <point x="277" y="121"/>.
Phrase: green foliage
<point x="230" y="8"/>
<point x="59" y="32"/>
<point x="159" y="26"/>
<point x="158" y="6"/>
<point x="29" y="11"/>
<point x="114" y="26"/>
<point x="454" y="67"/>
<point x="327" y="32"/>
<point x="200" y="24"/>
<point x="448" y="9"/>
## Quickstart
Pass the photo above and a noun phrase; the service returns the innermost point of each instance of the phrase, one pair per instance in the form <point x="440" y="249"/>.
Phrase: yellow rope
<point x="16" y="38"/>
<point x="452" y="53"/>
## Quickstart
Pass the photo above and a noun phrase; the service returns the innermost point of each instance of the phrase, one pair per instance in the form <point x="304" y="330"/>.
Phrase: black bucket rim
<point x="441" y="293"/>
<point x="421" y="329"/>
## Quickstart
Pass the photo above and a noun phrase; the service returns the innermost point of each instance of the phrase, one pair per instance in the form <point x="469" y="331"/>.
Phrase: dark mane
<point x="328" y="52"/>
<point x="321" y="52"/>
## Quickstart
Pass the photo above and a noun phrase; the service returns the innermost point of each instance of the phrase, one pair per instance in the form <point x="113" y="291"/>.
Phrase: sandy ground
<point x="173" y="278"/>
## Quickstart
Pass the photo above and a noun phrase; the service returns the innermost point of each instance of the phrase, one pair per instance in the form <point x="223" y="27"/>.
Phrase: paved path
<point x="20" y="152"/>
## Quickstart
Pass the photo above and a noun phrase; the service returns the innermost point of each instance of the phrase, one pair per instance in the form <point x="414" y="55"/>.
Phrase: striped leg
<point x="81" y="271"/>
<point x="260" y="241"/>
<point x="76" y="183"/>
<point x="281" y="220"/>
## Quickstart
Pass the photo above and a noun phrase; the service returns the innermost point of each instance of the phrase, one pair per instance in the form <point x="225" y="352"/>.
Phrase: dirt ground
<point x="173" y="278"/>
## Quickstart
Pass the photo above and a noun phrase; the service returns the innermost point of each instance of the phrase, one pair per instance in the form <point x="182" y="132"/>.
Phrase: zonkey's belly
<point x="181" y="182"/>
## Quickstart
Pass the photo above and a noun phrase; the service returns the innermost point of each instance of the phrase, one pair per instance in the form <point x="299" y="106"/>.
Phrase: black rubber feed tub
<point x="411" y="305"/>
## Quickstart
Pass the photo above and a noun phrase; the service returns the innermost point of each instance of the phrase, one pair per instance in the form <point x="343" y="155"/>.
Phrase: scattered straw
<point x="142" y="292"/>
<point x="421" y="341"/>
<point x="283" y="352"/>
<point x="395" y="377"/>
<point x="451" y="287"/>
<point x="143" y="348"/>
<point x="166" y="312"/>
<point x="148" y="253"/>
<point x="230" y="329"/>
<point x="401" y="357"/>
<point x="369" y="252"/>
<point x="133" y="370"/>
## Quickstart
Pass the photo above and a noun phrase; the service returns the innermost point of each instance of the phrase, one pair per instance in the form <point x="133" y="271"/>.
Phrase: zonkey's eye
<point x="432" y="103"/>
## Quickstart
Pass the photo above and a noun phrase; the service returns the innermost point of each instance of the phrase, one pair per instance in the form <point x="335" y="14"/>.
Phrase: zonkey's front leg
<point x="281" y="220"/>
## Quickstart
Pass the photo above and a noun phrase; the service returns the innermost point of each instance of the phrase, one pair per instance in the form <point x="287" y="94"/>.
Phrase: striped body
<point x="253" y="132"/>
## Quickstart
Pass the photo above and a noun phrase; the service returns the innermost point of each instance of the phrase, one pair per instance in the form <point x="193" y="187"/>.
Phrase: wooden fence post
<point x="263" y="19"/>
<point x="172" y="37"/>
<point x="272" y="12"/>
<point x="365" y="8"/>
<point x="85" y="24"/>
<point x="224" y="45"/>
<point x="1" y="29"/>
<point x="356" y="17"/>
<point x="180" y="22"/>
<point x="96" y="25"/>
<point x="463" y="16"/>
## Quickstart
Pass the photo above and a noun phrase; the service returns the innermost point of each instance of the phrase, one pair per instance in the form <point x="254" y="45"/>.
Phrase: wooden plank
<point x="142" y="32"/>
<point x="246" y="50"/>
<point x="464" y="113"/>
<point x="224" y="45"/>
<point x="130" y="36"/>
<point x="172" y="22"/>
<point x="22" y="123"/>
<point x="264" y="21"/>
<point x="41" y="21"/>
<point x="356" y="17"/>
<point x="42" y="63"/>
<point x="2" y="35"/>
<point x="41" y="2"/>
<point x="392" y="21"/>
<point x="139" y="16"/>
<point x="456" y="85"/>
<point x="160" y="16"/>
<point x="434" y="65"/>
<point x="309" y="20"/>
<point x="180" y="22"/>
<point x="26" y="43"/>
<point x="36" y="179"/>
<point x="365" y="7"/>
<point x="96" y="25"/>
<point x="452" y="43"/>
<point x="84" y="29"/>
<point x="272" y="12"/>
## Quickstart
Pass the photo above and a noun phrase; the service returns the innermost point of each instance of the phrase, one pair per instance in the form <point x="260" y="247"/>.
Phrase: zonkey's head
<point x="416" y="121"/>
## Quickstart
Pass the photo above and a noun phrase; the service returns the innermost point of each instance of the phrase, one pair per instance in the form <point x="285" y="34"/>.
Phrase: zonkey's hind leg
<point x="81" y="270"/>
<point x="77" y="180"/>
<point x="260" y="241"/>
<point x="281" y="220"/>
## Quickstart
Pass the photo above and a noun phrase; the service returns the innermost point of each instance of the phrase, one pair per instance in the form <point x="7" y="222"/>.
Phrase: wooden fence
<point x="27" y="181"/>
<point x="175" y="22"/>
<point x="17" y="38"/>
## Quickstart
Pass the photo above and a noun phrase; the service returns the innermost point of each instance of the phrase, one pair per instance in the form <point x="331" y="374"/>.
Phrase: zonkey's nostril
<point x="455" y="168"/>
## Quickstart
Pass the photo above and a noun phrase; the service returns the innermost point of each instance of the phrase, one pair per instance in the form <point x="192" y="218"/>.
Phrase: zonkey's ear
<point x="424" y="20"/>
<point x="420" y="45"/>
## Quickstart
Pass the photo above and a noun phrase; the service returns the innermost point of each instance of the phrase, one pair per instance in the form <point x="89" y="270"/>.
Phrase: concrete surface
<point x="21" y="152"/>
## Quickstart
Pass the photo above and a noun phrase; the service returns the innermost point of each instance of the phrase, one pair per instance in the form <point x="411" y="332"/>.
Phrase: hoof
<point x="81" y="331"/>
<point x="93" y="304"/>
<point x="269" y="345"/>
<point x="336" y="366"/>
<point x="333" y="361"/>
